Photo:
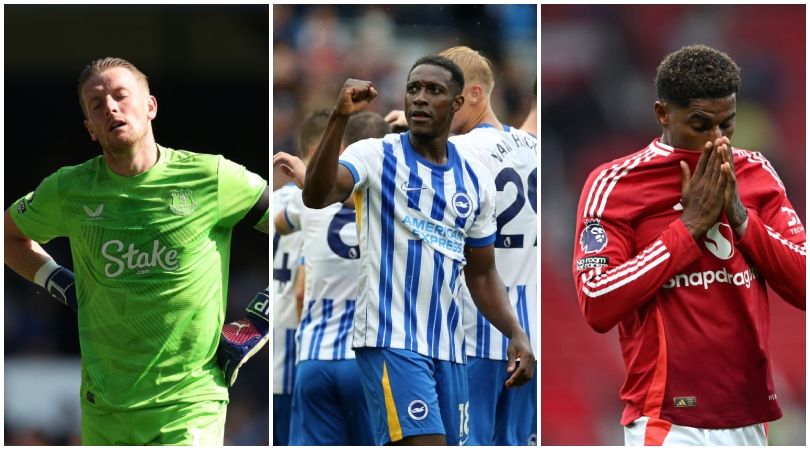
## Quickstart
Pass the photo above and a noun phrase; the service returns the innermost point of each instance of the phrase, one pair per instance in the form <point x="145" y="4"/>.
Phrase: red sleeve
<point x="613" y="279"/>
<point x="774" y="240"/>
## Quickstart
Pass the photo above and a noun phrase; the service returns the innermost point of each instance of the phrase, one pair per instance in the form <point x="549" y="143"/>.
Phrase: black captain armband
<point x="259" y="211"/>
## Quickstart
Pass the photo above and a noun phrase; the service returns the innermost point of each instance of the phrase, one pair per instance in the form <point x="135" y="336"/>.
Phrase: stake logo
<point x="135" y="259"/>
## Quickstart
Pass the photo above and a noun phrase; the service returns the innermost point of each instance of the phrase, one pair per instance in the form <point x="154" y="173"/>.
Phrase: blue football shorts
<point x="281" y="419"/>
<point x="409" y="394"/>
<point x="500" y="415"/>
<point x="328" y="407"/>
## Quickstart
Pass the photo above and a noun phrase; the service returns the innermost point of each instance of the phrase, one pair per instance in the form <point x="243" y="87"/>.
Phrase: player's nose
<point x="110" y="105"/>
<point x="716" y="133"/>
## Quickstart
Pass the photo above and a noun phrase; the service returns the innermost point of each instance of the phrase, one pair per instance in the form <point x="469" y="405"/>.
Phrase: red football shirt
<point x="693" y="315"/>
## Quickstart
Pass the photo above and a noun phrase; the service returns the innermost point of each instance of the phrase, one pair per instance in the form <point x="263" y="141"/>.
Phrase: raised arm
<point x="326" y="181"/>
<point x="773" y="236"/>
<point x="489" y="295"/>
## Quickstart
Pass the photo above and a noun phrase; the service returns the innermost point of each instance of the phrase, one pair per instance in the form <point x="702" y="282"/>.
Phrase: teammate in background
<point x="499" y="416"/>
<point x="149" y="229"/>
<point x="676" y="244"/>
<point x="328" y="404"/>
<point x="530" y="124"/>
<point x="424" y="213"/>
<point x="286" y="277"/>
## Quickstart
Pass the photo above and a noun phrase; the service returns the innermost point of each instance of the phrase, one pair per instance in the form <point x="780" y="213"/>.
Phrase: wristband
<point x="45" y="271"/>
<point x="59" y="282"/>
<point x="259" y="310"/>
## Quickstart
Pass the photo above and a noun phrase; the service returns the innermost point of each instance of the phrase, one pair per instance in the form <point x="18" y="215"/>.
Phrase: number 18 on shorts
<point x="409" y="394"/>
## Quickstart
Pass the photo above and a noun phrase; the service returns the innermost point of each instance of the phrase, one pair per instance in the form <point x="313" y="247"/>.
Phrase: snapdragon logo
<point x="718" y="241"/>
<point x="133" y="258"/>
<point x="708" y="277"/>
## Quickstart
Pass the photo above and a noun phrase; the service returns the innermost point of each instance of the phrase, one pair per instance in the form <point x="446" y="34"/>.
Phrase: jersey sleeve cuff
<point x="348" y="165"/>
<point x="680" y="242"/>
<point x="752" y="221"/>
<point x="480" y="242"/>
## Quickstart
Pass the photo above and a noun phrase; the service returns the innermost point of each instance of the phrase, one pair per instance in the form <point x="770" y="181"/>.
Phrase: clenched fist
<point x="354" y="96"/>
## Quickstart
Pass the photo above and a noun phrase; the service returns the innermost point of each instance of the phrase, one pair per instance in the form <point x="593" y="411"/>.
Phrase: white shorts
<point x="646" y="431"/>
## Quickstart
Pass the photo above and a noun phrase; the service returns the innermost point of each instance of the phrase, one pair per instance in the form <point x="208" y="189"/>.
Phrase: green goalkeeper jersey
<point x="151" y="255"/>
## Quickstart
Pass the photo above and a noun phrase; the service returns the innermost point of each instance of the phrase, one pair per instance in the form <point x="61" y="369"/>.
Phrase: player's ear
<point x="475" y="94"/>
<point x="151" y="104"/>
<point x="458" y="102"/>
<point x="661" y="113"/>
<point x="90" y="130"/>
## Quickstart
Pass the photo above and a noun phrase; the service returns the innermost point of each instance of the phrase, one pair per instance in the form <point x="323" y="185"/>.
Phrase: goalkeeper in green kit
<point x="149" y="230"/>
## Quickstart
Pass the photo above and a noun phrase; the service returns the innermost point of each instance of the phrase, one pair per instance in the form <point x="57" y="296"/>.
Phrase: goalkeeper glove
<point x="59" y="282"/>
<point x="242" y="339"/>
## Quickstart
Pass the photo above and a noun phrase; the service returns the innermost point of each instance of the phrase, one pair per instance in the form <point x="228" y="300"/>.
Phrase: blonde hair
<point x="103" y="64"/>
<point x="477" y="68"/>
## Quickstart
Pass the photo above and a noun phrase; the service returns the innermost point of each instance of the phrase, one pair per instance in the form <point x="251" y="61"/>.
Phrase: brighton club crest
<point x="182" y="202"/>
<point x="593" y="237"/>
<point x="462" y="204"/>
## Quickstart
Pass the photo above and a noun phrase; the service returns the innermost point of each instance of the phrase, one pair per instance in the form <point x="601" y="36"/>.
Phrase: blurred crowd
<point x="316" y="47"/>
<point x="597" y="93"/>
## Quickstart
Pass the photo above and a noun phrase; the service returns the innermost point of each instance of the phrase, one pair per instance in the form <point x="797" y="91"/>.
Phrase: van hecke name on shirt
<point x="506" y="146"/>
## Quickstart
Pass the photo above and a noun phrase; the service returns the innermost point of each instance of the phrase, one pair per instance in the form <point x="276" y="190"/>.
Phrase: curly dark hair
<point x="456" y="75"/>
<point x="696" y="71"/>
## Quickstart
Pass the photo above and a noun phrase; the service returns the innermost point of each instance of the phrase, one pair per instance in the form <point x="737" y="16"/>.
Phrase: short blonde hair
<point x="103" y="64"/>
<point x="477" y="68"/>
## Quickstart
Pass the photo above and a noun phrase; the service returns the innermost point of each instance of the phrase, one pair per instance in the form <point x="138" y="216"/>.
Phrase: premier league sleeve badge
<point x="593" y="237"/>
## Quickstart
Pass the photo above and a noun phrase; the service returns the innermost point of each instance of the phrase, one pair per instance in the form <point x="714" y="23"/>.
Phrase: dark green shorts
<point x="201" y="423"/>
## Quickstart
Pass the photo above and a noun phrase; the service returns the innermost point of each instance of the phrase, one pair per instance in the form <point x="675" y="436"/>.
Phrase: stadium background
<point x="598" y="66"/>
<point x="208" y="68"/>
<point x="317" y="47"/>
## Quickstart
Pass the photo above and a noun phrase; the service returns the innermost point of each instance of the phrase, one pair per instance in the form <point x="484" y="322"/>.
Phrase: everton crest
<point x="593" y="237"/>
<point x="182" y="202"/>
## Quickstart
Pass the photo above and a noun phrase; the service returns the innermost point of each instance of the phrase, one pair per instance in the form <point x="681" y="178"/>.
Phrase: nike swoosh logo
<point x="406" y="188"/>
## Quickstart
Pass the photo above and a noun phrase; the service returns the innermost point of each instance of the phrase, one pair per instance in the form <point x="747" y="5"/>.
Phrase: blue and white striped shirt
<point x="510" y="156"/>
<point x="331" y="261"/>
<point x="286" y="253"/>
<point x="414" y="219"/>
